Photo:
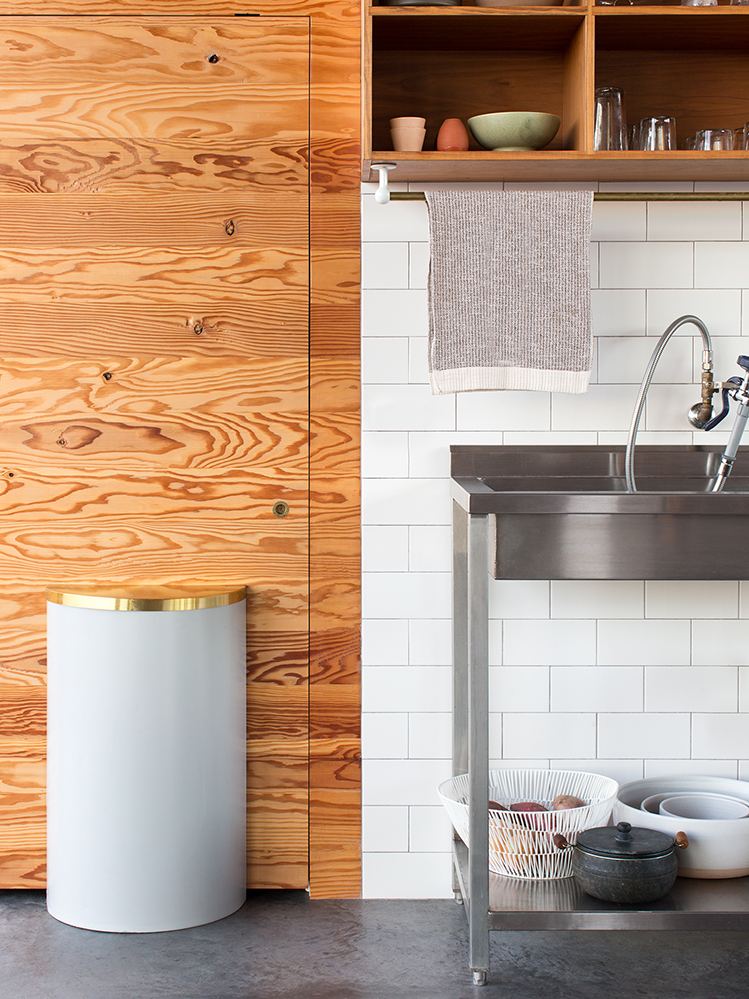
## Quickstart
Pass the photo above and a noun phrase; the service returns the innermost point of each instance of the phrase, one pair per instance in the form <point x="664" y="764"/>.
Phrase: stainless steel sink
<point x="563" y="512"/>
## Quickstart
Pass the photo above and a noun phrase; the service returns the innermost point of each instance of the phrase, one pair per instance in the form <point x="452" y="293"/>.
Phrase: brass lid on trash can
<point x="144" y="597"/>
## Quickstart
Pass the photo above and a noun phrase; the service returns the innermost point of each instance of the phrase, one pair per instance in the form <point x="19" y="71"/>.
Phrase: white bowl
<point x="718" y="848"/>
<point x="703" y="806"/>
<point x="651" y="803"/>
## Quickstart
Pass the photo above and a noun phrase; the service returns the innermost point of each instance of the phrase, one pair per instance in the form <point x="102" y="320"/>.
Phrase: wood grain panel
<point x="277" y="658"/>
<point x="165" y="385"/>
<point x="278" y="722"/>
<point x="279" y="773"/>
<point x="151" y="276"/>
<point x="277" y="838"/>
<point x="127" y="166"/>
<point x="335" y="843"/>
<point x="179" y="50"/>
<point x="335" y="719"/>
<point x="159" y="443"/>
<point x="23" y="831"/>
<point x="155" y="376"/>
<point x="335" y="804"/>
<point x="161" y="112"/>
<point x="336" y="774"/>
<point x="322" y="11"/>
<point x="28" y="495"/>
<point x="264" y="324"/>
<point x="107" y="151"/>
<point x="257" y="219"/>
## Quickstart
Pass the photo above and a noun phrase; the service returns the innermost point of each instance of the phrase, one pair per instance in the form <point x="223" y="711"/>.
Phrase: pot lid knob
<point x="624" y="832"/>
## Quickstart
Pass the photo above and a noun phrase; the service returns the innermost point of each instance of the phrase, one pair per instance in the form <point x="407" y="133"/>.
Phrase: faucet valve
<point x="699" y="415"/>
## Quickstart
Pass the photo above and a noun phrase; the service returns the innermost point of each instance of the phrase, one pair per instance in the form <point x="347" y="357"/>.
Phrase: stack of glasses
<point x="656" y="132"/>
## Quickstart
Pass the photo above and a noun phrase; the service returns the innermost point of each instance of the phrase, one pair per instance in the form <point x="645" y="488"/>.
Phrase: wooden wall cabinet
<point x="455" y="62"/>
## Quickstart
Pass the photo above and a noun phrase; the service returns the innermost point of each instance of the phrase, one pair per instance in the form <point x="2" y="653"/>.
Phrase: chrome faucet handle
<point x="743" y="361"/>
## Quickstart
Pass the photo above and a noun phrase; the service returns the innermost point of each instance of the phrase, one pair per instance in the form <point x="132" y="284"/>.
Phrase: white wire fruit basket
<point x="521" y="843"/>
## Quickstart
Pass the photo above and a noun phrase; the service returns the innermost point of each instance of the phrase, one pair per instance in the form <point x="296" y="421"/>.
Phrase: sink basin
<point x="563" y="512"/>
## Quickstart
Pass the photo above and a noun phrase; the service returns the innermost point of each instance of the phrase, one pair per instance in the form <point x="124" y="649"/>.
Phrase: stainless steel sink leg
<point x="478" y="744"/>
<point x="471" y="716"/>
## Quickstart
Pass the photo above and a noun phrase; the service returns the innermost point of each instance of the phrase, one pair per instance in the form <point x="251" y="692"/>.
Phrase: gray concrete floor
<point x="281" y="944"/>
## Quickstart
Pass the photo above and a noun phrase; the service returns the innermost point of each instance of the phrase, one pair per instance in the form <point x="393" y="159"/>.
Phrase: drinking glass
<point x="689" y="143"/>
<point x="657" y="132"/>
<point x="742" y="3"/>
<point x="714" y="138"/>
<point x="699" y="3"/>
<point x="610" y="120"/>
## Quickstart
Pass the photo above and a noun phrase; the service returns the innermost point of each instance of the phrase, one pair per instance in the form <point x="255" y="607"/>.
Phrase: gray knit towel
<point x="509" y="290"/>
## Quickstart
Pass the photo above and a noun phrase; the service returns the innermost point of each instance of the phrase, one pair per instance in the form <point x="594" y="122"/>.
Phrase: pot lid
<point x="625" y="841"/>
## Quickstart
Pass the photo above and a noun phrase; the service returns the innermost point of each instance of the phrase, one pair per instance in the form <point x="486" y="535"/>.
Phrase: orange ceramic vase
<point x="452" y="136"/>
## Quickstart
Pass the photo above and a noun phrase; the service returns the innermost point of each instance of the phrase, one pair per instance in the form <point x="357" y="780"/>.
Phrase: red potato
<point x="494" y="806"/>
<point x="566" y="801"/>
<point x="528" y="806"/>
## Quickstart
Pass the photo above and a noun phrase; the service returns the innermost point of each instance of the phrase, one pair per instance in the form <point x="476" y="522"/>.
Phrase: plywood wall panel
<point x="257" y="219"/>
<point x="335" y="800"/>
<point x="167" y="112"/>
<point x="155" y="369"/>
<point x="141" y="275"/>
<point x="319" y="10"/>
<point x="126" y="166"/>
<point x="263" y="325"/>
<point x="119" y="146"/>
<point x="222" y="55"/>
<point x="335" y="842"/>
<point x="23" y="821"/>
<point x="277" y="838"/>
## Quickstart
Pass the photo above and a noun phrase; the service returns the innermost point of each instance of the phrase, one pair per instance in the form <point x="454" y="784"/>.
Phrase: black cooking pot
<point x="625" y="864"/>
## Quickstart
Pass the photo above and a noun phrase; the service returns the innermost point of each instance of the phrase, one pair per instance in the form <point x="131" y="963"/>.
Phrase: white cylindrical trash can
<point x="146" y="778"/>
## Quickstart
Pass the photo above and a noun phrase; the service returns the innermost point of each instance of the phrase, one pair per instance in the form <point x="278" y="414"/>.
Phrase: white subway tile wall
<point x="627" y="679"/>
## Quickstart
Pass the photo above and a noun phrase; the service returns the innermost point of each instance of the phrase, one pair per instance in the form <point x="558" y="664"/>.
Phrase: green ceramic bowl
<point x="512" y="131"/>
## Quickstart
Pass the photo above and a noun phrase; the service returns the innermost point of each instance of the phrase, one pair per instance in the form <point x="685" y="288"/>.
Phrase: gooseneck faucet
<point x="699" y="414"/>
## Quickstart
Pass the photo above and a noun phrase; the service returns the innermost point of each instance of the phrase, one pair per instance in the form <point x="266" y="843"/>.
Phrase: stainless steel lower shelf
<point x="562" y="905"/>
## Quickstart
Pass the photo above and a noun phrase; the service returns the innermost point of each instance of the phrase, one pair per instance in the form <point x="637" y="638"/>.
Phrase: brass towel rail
<point x="383" y="194"/>
<point x="622" y="196"/>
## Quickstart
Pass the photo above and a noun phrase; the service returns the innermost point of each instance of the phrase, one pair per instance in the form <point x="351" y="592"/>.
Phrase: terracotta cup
<point x="452" y="135"/>
<point x="408" y="140"/>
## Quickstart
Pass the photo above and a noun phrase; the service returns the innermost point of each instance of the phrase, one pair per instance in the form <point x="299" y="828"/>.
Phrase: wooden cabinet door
<point x="154" y="261"/>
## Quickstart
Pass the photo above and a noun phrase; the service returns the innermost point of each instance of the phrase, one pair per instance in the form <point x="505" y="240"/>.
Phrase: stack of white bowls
<point x="712" y="811"/>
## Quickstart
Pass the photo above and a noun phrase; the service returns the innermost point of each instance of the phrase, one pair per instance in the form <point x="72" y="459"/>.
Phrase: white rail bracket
<point x="382" y="194"/>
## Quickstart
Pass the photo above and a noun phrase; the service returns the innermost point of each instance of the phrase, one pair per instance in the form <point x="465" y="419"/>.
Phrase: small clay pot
<point x="452" y="135"/>
<point x="626" y="864"/>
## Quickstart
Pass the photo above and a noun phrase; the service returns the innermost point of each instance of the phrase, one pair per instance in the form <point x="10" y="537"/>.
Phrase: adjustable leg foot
<point x="458" y="897"/>
<point x="480" y="977"/>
